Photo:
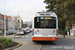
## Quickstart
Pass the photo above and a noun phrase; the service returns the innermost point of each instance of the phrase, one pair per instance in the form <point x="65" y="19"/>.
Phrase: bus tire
<point x="51" y="41"/>
<point x="34" y="41"/>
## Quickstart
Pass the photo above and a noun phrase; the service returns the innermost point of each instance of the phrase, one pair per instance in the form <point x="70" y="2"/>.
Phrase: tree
<point x="53" y="5"/>
<point x="64" y="9"/>
<point x="26" y="25"/>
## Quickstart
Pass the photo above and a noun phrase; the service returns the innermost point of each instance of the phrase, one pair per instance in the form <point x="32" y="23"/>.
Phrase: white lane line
<point x="27" y="36"/>
<point x="22" y="36"/>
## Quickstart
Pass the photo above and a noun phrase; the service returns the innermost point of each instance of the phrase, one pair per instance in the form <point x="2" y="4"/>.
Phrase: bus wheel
<point x="34" y="41"/>
<point x="51" y="41"/>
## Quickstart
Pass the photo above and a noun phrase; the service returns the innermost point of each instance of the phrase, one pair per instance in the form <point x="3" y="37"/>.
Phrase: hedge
<point x="62" y="32"/>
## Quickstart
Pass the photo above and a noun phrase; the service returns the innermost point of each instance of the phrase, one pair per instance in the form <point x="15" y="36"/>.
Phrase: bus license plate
<point x="45" y="35"/>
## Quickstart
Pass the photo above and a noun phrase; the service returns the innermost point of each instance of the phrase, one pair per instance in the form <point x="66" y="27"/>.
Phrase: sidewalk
<point x="11" y="36"/>
<point x="28" y="46"/>
<point x="67" y="37"/>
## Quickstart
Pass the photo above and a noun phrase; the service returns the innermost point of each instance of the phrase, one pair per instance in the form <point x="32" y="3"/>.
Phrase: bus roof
<point x="45" y="14"/>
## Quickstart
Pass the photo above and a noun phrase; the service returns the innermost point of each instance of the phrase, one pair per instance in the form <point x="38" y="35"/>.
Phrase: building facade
<point x="15" y="21"/>
<point x="23" y="24"/>
<point x="18" y="22"/>
<point x="11" y="24"/>
<point x="28" y="24"/>
<point x="2" y="22"/>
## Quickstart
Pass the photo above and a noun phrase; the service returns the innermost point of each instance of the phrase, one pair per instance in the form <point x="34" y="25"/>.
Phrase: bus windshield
<point x="44" y="22"/>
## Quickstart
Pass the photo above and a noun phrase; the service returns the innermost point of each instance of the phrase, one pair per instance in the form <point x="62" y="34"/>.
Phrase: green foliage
<point x="62" y="32"/>
<point x="65" y="10"/>
<point x="5" y="42"/>
<point x="9" y="40"/>
<point x="1" y="45"/>
<point x="2" y="39"/>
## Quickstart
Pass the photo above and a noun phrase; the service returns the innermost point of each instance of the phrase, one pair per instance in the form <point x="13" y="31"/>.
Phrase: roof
<point x="46" y="14"/>
<point x="9" y="16"/>
<point x="15" y="21"/>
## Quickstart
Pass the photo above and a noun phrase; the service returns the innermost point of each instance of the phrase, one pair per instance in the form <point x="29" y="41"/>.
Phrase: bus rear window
<point x="44" y="22"/>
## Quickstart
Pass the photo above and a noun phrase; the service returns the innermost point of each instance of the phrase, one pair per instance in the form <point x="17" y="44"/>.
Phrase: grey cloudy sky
<point x="25" y="8"/>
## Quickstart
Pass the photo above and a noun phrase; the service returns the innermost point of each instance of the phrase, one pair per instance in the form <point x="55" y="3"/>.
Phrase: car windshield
<point x="27" y="29"/>
<point x="21" y="30"/>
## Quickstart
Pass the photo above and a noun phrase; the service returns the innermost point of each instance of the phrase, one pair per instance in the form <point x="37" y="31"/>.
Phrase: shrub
<point x="5" y="42"/>
<point x="1" y="45"/>
<point x="10" y="43"/>
<point x="9" y="40"/>
<point x="2" y="39"/>
<point x="62" y="32"/>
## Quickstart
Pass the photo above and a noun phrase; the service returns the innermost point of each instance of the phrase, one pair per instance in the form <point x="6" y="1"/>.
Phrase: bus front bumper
<point x="44" y="38"/>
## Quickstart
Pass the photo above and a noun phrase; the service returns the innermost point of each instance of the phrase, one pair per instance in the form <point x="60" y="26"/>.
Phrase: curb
<point x="15" y="37"/>
<point x="12" y="36"/>
<point x="18" y="37"/>
<point x="11" y="48"/>
<point x="66" y="38"/>
<point x="39" y="47"/>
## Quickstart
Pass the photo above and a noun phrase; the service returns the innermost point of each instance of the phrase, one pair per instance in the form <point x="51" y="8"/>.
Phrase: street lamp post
<point x="17" y="23"/>
<point x="17" y="19"/>
<point x="4" y="20"/>
<point x="72" y="16"/>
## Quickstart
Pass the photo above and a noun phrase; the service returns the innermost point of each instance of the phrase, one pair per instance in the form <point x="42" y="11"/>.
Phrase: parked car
<point x="20" y="32"/>
<point x="6" y="32"/>
<point x="27" y="30"/>
<point x="1" y="32"/>
<point x="9" y="32"/>
<point x="16" y="31"/>
<point x="30" y="30"/>
<point x="22" y="29"/>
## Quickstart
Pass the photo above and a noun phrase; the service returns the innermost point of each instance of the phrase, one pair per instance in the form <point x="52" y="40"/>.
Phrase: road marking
<point x="27" y="36"/>
<point x="22" y="36"/>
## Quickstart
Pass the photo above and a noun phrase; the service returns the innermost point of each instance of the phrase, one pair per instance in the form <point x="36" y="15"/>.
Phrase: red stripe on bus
<point x="44" y="38"/>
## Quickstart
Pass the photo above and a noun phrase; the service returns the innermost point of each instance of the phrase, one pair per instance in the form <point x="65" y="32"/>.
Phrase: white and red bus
<point x="45" y="27"/>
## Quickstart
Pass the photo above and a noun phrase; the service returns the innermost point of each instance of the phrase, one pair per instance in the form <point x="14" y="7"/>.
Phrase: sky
<point x="24" y="8"/>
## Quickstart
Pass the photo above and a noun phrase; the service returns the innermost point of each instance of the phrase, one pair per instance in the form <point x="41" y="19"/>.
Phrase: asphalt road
<point x="61" y="44"/>
<point x="26" y="37"/>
